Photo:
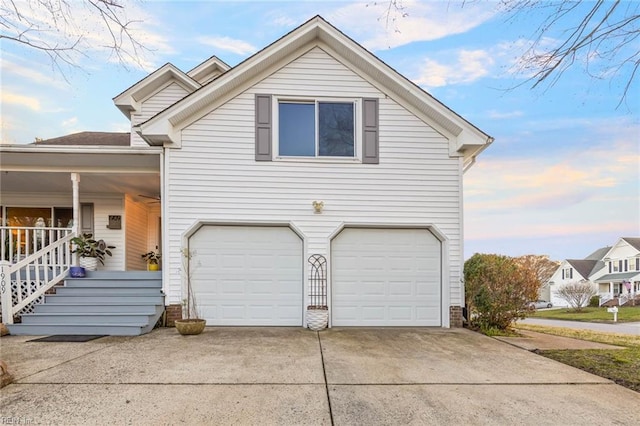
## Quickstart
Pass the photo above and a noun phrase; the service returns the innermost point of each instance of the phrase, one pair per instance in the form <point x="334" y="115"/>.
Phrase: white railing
<point x="28" y="279"/>
<point x="19" y="242"/>
<point x="605" y="297"/>
<point x="623" y="298"/>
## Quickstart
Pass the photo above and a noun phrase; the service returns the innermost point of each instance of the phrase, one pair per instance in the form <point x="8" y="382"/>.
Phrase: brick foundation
<point x="172" y="313"/>
<point x="455" y="316"/>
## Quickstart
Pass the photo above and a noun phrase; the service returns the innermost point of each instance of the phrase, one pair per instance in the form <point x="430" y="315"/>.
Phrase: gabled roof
<point x="208" y="70"/>
<point x="164" y="128"/>
<point x="633" y="242"/>
<point x="585" y="267"/>
<point x="130" y="100"/>
<point x="89" y="139"/>
<point x="598" y="254"/>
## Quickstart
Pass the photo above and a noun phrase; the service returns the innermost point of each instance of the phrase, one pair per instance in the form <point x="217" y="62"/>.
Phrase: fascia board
<point x="462" y="134"/>
<point x="130" y="100"/>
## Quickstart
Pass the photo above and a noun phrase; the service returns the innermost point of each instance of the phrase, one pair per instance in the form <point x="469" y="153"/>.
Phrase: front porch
<point x="619" y="288"/>
<point x="51" y="194"/>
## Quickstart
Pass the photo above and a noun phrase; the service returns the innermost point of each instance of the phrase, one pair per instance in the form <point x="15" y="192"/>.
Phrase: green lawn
<point x="619" y="365"/>
<point x="625" y="314"/>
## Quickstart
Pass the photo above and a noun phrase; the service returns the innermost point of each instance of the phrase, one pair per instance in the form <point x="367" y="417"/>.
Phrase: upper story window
<point x="337" y="129"/>
<point x="316" y="128"/>
<point x="567" y="273"/>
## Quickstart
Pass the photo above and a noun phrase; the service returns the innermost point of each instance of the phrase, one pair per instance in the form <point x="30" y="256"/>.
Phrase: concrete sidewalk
<point x="622" y="327"/>
<point x="294" y="376"/>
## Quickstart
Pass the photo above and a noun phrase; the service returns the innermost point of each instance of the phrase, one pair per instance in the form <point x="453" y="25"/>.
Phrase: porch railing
<point x="33" y="269"/>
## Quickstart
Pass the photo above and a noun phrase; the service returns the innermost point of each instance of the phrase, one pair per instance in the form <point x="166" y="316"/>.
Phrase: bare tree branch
<point x="69" y="30"/>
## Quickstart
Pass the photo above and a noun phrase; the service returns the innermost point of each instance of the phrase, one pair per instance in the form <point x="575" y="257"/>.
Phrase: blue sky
<point x="562" y="177"/>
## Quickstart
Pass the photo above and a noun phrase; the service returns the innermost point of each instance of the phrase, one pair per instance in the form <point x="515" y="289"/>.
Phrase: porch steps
<point x="105" y="302"/>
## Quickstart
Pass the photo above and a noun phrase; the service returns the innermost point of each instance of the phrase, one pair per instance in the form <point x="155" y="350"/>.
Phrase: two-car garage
<point x="254" y="275"/>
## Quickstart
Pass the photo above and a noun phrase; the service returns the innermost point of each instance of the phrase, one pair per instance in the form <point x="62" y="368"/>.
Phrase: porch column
<point x="75" y="179"/>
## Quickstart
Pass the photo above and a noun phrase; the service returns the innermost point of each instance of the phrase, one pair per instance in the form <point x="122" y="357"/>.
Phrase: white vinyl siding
<point x="155" y="103"/>
<point x="214" y="176"/>
<point x="102" y="208"/>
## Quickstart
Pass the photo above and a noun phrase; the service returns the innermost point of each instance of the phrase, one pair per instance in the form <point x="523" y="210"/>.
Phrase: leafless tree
<point x="66" y="30"/>
<point x="604" y="41"/>
<point x="576" y="294"/>
<point x="601" y="36"/>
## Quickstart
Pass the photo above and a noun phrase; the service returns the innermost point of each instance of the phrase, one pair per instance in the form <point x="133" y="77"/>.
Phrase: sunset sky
<point x="562" y="177"/>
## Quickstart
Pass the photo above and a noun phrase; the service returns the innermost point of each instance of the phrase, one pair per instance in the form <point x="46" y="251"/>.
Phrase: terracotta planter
<point x="89" y="263"/>
<point x="191" y="326"/>
<point x="317" y="318"/>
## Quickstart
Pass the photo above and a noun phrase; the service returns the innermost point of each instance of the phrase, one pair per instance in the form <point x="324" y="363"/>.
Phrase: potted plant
<point x="190" y="324"/>
<point x="90" y="251"/>
<point x="152" y="258"/>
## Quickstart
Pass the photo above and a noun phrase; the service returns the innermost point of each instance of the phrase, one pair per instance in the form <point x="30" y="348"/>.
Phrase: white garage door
<point x="386" y="277"/>
<point x="248" y="275"/>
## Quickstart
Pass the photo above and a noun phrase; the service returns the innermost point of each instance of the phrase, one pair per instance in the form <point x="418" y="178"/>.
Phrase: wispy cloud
<point x="91" y="36"/>
<point x="424" y="21"/>
<point x="469" y="66"/>
<point x="21" y="100"/>
<point x="560" y="191"/>
<point x="499" y="115"/>
<point x="30" y="74"/>
<point x="228" y="44"/>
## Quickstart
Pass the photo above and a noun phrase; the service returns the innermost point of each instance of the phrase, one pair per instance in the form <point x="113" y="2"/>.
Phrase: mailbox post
<point x="614" y="311"/>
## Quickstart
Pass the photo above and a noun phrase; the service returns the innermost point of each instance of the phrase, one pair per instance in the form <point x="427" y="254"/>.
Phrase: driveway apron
<point x="270" y="375"/>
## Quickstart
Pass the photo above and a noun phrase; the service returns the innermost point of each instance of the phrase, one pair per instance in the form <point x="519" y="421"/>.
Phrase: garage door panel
<point x="248" y="275"/>
<point x="392" y="278"/>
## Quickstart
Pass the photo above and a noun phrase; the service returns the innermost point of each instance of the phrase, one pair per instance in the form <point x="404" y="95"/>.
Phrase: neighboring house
<point x="576" y="270"/>
<point x="621" y="279"/>
<point x="311" y="146"/>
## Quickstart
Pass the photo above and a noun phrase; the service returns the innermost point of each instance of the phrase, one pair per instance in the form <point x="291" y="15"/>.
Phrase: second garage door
<point x="248" y="275"/>
<point x="386" y="277"/>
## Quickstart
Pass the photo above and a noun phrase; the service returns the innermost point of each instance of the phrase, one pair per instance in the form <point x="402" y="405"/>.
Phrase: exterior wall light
<point x="318" y="206"/>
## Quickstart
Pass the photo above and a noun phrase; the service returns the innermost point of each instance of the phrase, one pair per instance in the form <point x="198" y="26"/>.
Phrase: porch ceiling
<point x="95" y="183"/>
<point x="102" y="169"/>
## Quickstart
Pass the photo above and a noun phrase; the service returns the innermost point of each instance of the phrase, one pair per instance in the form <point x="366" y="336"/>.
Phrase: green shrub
<point x="594" y="302"/>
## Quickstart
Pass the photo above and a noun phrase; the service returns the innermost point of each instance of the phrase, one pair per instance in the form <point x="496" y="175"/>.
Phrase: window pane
<point x="297" y="129"/>
<point x="336" y="129"/>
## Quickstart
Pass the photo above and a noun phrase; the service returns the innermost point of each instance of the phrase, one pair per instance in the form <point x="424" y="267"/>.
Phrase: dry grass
<point x="620" y="366"/>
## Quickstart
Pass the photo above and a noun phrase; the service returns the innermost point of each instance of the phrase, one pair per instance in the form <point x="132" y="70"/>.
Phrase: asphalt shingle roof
<point x="90" y="138"/>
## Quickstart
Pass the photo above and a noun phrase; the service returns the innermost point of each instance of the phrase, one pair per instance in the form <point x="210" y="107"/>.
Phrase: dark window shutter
<point x="563" y="274"/>
<point x="263" y="128"/>
<point x="637" y="263"/>
<point x="609" y="266"/>
<point x="370" y="137"/>
<point x="571" y="273"/>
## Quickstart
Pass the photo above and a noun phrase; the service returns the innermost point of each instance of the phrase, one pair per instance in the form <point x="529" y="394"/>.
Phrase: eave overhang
<point x="465" y="139"/>
<point x="130" y="100"/>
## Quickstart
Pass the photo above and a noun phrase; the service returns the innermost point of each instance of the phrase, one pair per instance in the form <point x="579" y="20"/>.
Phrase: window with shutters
<point x="333" y="129"/>
<point x="316" y="128"/>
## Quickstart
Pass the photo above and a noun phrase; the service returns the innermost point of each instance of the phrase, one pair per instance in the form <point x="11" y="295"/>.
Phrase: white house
<point x="312" y="146"/>
<point x="622" y="271"/>
<point x="576" y="270"/>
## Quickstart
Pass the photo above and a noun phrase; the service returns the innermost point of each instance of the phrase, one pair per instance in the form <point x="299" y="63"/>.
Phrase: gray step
<point x="87" y="318"/>
<point x="112" y="282"/>
<point x="98" y="300"/>
<point x="107" y="291"/>
<point x="123" y="275"/>
<point x="84" y="329"/>
<point x="117" y="308"/>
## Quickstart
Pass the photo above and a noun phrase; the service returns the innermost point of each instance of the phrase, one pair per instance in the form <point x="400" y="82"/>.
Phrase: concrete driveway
<point x="294" y="376"/>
